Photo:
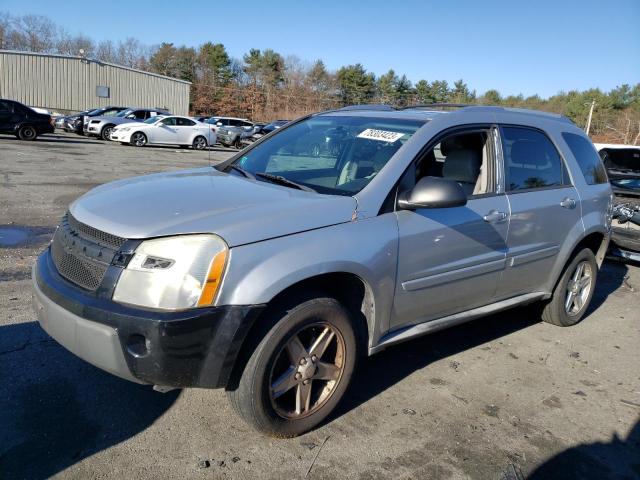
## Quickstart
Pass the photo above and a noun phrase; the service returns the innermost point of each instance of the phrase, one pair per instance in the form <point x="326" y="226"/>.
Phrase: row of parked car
<point x="135" y="126"/>
<point x="145" y="126"/>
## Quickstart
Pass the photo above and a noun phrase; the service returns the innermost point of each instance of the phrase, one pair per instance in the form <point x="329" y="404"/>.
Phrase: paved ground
<point x="505" y="395"/>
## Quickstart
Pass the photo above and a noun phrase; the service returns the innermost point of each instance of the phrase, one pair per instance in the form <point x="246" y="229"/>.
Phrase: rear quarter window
<point x="587" y="157"/>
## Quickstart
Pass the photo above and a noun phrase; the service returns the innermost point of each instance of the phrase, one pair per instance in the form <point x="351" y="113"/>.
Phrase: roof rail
<point x="436" y="105"/>
<point x="373" y="106"/>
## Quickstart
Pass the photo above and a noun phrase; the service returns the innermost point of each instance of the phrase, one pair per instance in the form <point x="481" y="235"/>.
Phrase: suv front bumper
<point x="188" y="348"/>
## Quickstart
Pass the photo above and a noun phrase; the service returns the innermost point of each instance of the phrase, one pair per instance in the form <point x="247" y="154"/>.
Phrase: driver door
<point x="451" y="259"/>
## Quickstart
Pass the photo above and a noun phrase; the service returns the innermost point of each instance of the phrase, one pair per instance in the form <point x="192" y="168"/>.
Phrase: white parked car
<point x="166" y="130"/>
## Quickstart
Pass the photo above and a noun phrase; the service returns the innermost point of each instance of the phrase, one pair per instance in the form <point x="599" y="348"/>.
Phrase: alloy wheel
<point x="138" y="139"/>
<point x="200" y="143"/>
<point x="578" y="288"/>
<point x="307" y="370"/>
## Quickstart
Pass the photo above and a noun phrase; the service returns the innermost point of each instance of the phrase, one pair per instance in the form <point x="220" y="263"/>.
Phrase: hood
<point x="205" y="200"/>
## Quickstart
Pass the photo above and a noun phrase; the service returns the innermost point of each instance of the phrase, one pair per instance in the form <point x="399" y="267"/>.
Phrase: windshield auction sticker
<point x="382" y="135"/>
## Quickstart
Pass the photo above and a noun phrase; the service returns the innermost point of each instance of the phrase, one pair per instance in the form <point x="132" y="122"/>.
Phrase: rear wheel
<point x="199" y="143"/>
<point x="106" y="132"/>
<point x="574" y="291"/>
<point x="138" y="139"/>
<point x="27" y="132"/>
<point x="300" y="370"/>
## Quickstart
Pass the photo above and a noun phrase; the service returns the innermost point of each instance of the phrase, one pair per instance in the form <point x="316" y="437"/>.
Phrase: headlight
<point x="123" y="129"/>
<point x="174" y="272"/>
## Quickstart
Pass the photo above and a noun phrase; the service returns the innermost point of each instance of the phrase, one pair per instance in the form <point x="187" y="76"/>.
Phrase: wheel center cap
<point x="308" y="370"/>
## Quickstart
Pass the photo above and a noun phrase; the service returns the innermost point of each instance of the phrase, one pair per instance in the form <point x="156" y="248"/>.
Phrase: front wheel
<point x="138" y="139"/>
<point x="106" y="132"/>
<point x="574" y="291"/>
<point x="199" y="143"/>
<point x="27" y="133"/>
<point x="300" y="370"/>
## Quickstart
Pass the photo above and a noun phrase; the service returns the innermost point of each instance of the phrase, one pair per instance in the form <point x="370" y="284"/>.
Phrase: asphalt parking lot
<point x="502" y="397"/>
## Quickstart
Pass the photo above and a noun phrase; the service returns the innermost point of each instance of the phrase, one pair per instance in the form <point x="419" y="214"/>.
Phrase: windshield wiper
<point x="243" y="171"/>
<point x="284" y="181"/>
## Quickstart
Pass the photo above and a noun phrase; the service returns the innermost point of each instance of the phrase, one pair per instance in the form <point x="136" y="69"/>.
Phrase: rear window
<point x="585" y="154"/>
<point x="621" y="158"/>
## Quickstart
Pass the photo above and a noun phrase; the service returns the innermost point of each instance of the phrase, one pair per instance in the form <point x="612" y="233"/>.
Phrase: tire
<point x="199" y="143"/>
<point x="138" y="139"/>
<point x="573" y="292"/>
<point x="284" y="412"/>
<point x="105" y="134"/>
<point x="27" y="133"/>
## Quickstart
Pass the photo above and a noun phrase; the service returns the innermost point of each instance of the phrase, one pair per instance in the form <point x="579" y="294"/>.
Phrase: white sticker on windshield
<point x="382" y="135"/>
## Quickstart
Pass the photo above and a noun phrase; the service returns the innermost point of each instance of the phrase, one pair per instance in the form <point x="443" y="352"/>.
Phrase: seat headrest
<point x="471" y="141"/>
<point x="462" y="166"/>
<point x="529" y="153"/>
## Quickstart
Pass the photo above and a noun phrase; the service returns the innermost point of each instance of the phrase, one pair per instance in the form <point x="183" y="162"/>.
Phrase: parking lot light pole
<point x="588" y="127"/>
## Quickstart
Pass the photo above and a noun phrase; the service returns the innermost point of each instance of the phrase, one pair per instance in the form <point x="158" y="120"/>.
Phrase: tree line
<point x="265" y="85"/>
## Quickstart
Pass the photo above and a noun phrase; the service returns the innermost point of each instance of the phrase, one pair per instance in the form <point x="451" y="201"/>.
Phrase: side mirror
<point x="433" y="192"/>
<point x="219" y="124"/>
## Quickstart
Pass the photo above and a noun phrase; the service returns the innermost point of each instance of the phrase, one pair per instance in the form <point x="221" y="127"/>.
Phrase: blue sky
<point x="528" y="47"/>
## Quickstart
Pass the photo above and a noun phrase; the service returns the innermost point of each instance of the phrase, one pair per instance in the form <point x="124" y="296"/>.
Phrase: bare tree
<point x="73" y="45"/>
<point x="34" y="33"/>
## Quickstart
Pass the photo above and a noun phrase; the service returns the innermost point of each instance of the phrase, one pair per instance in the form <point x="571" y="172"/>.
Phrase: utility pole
<point x="593" y="104"/>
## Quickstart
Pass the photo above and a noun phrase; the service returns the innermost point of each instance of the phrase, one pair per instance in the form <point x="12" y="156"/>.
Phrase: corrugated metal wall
<point x="69" y="83"/>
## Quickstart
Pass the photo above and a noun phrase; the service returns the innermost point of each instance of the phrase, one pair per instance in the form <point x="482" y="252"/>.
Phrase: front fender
<point x="368" y="249"/>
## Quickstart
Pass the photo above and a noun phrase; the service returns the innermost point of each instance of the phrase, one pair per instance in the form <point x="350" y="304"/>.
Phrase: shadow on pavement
<point x="380" y="372"/>
<point x="617" y="459"/>
<point x="56" y="410"/>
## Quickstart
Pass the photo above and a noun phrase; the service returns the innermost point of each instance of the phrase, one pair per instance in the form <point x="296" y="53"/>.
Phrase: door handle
<point x="495" y="216"/>
<point x="568" y="203"/>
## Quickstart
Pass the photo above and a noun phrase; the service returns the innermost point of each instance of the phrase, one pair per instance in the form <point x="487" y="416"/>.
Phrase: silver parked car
<point x="270" y="274"/>
<point x="102" y="127"/>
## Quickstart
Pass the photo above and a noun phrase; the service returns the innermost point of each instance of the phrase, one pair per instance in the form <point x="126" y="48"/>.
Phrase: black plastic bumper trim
<point x="187" y="348"/>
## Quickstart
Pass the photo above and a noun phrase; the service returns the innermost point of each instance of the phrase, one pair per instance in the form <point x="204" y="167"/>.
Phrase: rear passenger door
<point x="6" y="114"/>
<point x="185" y="129"/>
<point x="544" y="208"/>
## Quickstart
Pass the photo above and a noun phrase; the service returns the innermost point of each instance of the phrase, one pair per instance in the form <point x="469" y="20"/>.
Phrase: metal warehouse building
<point x="66" y="84"/>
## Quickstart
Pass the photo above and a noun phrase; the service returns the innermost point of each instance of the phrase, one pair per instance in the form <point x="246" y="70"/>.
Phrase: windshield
<point x="124" y="113"/>
<point x="213" y="120"/>
<point x="621" y="158"/>
<point x="337" y="155"/>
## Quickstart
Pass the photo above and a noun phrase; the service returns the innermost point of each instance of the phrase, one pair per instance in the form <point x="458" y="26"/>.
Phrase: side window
<point x="466" y="158"/>
<point x="235" y="123"/>
<point x="185" y="122"/>
<point x="141" y="114"/>
<point x="5" y="107"/>
<point x="531" y="160"/>
<point x="588" y="159"/>
<point x="171" y="121"/>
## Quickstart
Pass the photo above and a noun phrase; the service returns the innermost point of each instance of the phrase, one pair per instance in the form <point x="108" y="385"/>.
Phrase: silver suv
<point x="270" y="274"/>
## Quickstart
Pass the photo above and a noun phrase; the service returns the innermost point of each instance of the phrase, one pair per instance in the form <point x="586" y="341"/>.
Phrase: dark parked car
<point x="22" y="121"/>
<point x="622" y="163"/>
<point x="270" y="127"/>
<point x="76" y="123"/>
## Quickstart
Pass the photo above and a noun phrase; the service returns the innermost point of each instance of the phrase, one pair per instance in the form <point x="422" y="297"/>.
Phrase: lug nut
<point x="314" y="358"/>
<point x="306" y="382"/>
<point x="303" y="361"/>
<point x="298" y="376"/>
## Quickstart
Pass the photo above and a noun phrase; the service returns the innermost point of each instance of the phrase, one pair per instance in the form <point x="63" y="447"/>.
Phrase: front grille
<point x="82" y="253"/>
<point x="97" y="236"/>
